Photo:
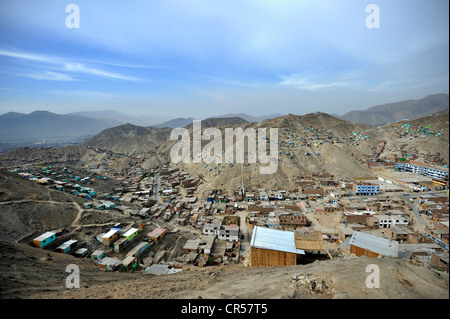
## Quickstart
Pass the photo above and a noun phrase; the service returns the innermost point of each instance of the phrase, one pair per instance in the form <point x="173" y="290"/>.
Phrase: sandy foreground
<point x="31" y="273"/>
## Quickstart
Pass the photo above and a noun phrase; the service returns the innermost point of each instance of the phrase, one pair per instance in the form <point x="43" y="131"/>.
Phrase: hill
<point x="178" y="122"/>
<point x="314" y="143"/>
<point x="182" y="122"/>
<point x="250" y="118"/>
<point x="131" y="139"/>
<point x="339" y="159"/>
<point x="128" y="139"/>
<point x="391" y="112"/>
<point x="44" y="124"/>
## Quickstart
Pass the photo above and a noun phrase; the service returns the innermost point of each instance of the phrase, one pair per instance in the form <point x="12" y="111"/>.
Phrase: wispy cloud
<point x="62" y="64"/>
<point x="50" y="76"/>
<point x="25" y="56"/>
<point x="304" y="84"/>
<point x="81" y="68"/>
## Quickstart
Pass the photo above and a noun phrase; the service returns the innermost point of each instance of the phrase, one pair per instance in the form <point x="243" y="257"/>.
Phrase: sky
<point x="200" y="58"/>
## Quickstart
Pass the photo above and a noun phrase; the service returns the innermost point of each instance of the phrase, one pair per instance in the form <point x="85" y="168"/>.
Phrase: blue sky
<point x="201" y="58"/>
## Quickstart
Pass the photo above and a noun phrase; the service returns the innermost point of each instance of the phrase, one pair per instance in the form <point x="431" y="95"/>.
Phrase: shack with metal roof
<point x="67" y="246"/>
<point x="44" y="239"/>
<point x="138" y="249"/>
<point x="271" y="247"/>
<point x="155" y="234"/>
<point x="372" y="246"/>
<point x="110" y="236"/>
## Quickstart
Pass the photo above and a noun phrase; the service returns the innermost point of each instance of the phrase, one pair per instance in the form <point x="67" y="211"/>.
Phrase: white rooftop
<point x="44" y="236"/>
<point x="110" y="233"/>
<point x="130" y="231"/>
<point x="375" y="244"/>
<point x="280" y="240"/>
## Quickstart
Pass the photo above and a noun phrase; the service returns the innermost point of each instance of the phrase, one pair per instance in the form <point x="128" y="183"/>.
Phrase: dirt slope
<point x="343" y="277"/>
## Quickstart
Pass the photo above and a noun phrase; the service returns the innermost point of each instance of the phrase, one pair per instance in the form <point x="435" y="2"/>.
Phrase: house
<point x="109" y="237"/>
<point x="263" y="196"/>
<point x="440" y="259"/>
<point x="344" y="233"/>
<point x="210" y="229"/>
<point x="192" y="245"/>
<point x="44" y="239"/>
<point x="88" y="205"/>
<point x="82" y="252"/>
<point x="279" y="195"/>
<point x="119" y="244"/>
<point x="67" y="246"/>
<point x="365" y="189"/>
<point x="144" y="212"/>
<point x="129" y="262"/>
<point x="155" y="234"/>
<point x="399" y="234"/>
<point x="130" y="234"/>
<point x="109" y="205"/>
<point x="289" y="220"/>
<point x="357" y="217"/>
<point x="138" y="249"/>
<point x="386" y="221"/>
<point x="270" y="247"/>
<point x="229" y="233"/>
<point x="97" y="255"/>
<point x="372" y="246"/>
<point x="110" y="263"/>
<point x="209" y="245"/>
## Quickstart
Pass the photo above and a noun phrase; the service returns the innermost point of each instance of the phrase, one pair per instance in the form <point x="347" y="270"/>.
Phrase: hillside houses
<point x="166" y="198"/>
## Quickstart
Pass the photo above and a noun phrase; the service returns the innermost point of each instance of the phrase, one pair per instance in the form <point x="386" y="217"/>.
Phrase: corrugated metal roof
<point x="67" y="244"/>
<point x="156" y="232"/>
<point x="375" y="244"/>
<point x="44" y="236"/>
<point x="192" y="244"/>
<point x="158" y="269"/>
<point x="110" y="233"/>
<point x="98" y="252"/>
<point x="130" y="232"/>
<point x="273" y="239"/>
<point x="109" y="261"/>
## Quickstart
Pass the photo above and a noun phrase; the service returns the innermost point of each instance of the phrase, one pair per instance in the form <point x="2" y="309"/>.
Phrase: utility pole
<point x="242" y="178"/>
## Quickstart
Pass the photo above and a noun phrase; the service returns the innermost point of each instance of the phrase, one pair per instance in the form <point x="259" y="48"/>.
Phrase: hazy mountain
<point x="250" y="118"/>
<point x="44" y="124"/>
<point x="129" y="139"/>
<point x="408" y="109"/>
<point x="133" y="139"/>
<point x="181" y="122"/>
<point x="219" y="121"/>
<point x="178" y="122"/>
<point x="118" y="118"/>
<point x="11" y="115"/>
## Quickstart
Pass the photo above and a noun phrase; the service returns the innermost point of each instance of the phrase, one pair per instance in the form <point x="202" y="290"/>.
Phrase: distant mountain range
<point x="119" y="118"/>
<point x="409" y="109"/>
<point x="44" y="124"/>
<point x="250" y="118"/>
<point x="178" y="122"/>
<point x="182" y="122"/>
